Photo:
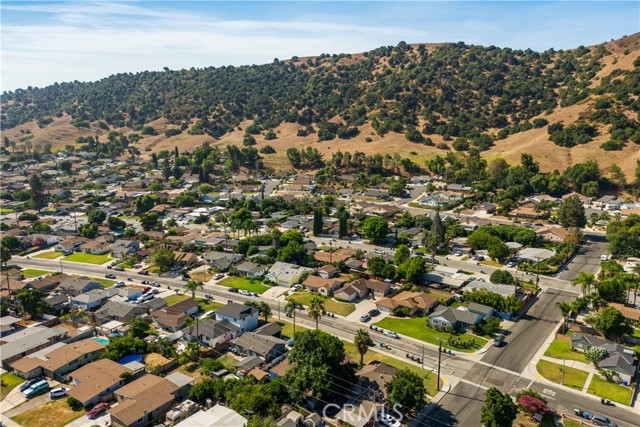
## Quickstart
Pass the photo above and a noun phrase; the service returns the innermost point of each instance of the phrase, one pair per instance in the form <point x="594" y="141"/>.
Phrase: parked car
<point x="110" y="276"/>
<point x="146" y="289"/>
<point x="458" y="254"/>
<point x="155" y="284"/>
<point x="143" y="272"/>
<point x="601" y="420"/>
<point x="247" y="293"/>
<point x="57" y="392"/>
<point x="374" y="312"/>
<point x="389" y="420"/>
<point x="218" y="276"/>
<point x="36" y="389"/>
<point x="365" y="318"/>
<point x="109" y="267"/>
<point x="234" y="290"/>
<point x="295" y="287"/>
<point x="391" y="334"/>
<point x="119" y="284"/>
<point x="418" y="253"/>
<point x="98" y="409"/>
<point x="378" y="251"/>
<point x="118" y="268"/>
<point x="130" y="279"/>
<point x="498" y="340"/>
<point x="511" y="264"/>
<point x="28" y="383"/>
<point x="207" y="314"/>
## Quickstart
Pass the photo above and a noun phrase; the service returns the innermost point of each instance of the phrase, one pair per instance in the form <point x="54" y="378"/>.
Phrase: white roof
<point x="217" y="416"/>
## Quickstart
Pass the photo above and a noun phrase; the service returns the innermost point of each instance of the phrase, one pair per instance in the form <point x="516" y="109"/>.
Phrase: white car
<point x="604" y="257"/>
<point x="378" y="251"/>
<point x="295" y="287"/>
<point x="247" y="293"/>
<point x="207" y="314"/>
<point x="391" y="334"/>
<point x="389" y="420"/>
<point x="57" y="392"/>
<point x="218" y="276"/>
<point x="119" y="284"/>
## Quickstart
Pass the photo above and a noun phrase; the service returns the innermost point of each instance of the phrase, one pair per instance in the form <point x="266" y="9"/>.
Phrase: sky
<point x="43" y="42"/>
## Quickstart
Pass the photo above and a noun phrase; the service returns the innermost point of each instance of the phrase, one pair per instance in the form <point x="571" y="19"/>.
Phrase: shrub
<point x="74" y="404"/>
<point x="533" y="405"/>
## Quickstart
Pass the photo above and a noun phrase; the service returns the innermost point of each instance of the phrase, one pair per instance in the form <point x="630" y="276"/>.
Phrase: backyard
<point x="553" y="372"/>
<point x="560" y="349"/>
<point x="207" y="305"/>
<point x="612" y="391"/>
<point x="30" y="273"/>
<point x="416" y="327"/>
<point x="339" y="308"/>
<point x="243" y="284"/>
<point x="48" y="255"/>
<point x="56" y="413"/>
<point x="8" y="383"/>
<point x="87" y="258"/>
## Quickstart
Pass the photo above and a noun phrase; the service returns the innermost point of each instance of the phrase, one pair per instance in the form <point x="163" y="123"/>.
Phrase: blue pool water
<point x="101" y="340"/>
<point x="131" y="358"/>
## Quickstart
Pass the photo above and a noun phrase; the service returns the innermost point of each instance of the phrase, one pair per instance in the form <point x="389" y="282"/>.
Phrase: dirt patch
<point x="155" y="359"/>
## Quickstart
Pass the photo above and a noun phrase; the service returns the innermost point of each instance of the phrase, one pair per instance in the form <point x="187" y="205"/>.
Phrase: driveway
<point x="15" y="403"/>
<point x="362" y="308"/>
<point x="103" y="420"/>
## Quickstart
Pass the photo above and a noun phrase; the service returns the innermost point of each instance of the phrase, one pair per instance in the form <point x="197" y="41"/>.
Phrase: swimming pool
<point x="101" y="340"/>
<point x="131" y="358"/>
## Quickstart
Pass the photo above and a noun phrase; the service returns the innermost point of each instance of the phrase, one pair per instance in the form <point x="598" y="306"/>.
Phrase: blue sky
<point x="47" y="42"/>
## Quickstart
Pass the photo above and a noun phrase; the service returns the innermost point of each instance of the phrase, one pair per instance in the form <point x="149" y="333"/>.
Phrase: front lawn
<point x="339" y="308"/>
<point x="8" y="383"/>
<point x="560" y="349"/>
<point x="203" y="276"/>
<point x="206" y="305"/>
<point x="243" y="284"/>
<point x="612" y="391"/>
<point x="30" y="273"/>
<point x="106" y="283"/>
<point x="491" y="263"/>
<point x="87" y="258"/>
<point x="55" y="413"/>
<point x="571" y="423"/>
<point x="173" y="299"/>
<point x="572" y="377"/>
<point x="416" y="327"/>
<point x="48" y="255"/>
<point x="5" y="211"/>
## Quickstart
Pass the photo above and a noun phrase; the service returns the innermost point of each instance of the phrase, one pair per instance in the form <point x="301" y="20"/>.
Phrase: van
<point x="36" y="389"/>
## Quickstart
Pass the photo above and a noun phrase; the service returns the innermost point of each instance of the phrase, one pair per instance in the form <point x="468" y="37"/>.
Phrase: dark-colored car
<point x="110" y="276"/>
<point x="374" y="312"/>
<point x="98" y="409"/>
<point x="234" y="290"/>
<point x="143" y="272"/>
<point x="29" y="383"/>
<point x="118" y="268"/>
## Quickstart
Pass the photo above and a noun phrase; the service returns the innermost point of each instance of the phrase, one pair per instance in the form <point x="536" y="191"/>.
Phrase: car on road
<point x="234" y="290"/>
<point x="458" y="254"/>
<point x="118" y="268"/>
<point x="154" y="284"/>
<point x="143" y="272"/>
<point x="389" y="420"/>
<point x="110" y="276"/>
<point x="130" y="279"/>
<point x="498" y="340"/>
<point x="57" y="392"/>
<point x="378" y="251"/>
<point x="98" y="409"/>
<point x="601" y="420"/>
<point x="119" y="284"/>
<point x="391" y="334"/>
<point x="246" y="293"/>
<point x="511" y="264"/>
<point x="218" y="276"/>
<point x="374" y="312"/>
<point x="418" y="253"/>
<point x="365" y="318"/>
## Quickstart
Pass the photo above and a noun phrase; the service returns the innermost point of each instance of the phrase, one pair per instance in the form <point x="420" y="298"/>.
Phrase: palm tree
<point x="290" y="310"/>
<point x="265" y="310"/>
<point x="362" y="340"/>
<point x="192" y="285"/>
<point x="430" y="242"/>
<point x="585" y="280"/>
<point x="565" y="308"/>
<point x="316" y="309"/>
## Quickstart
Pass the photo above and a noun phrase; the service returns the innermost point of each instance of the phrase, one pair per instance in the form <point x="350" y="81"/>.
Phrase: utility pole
<point x="562" y="379"/>
<point x="422" y="359"/>
<point x="439" y="360"/>
<point x="61" y="270"/>
<point x="537" y="270"/>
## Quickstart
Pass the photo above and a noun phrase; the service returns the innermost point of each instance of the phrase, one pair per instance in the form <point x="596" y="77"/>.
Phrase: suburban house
<point x="92" y="299"/>
<point x="124" y="248"/>
<point x="143" y="402"/>
<point x="446" y="317"/>
<point x="619" y="359"/>
<point x="376" y="288"/>
<point x="328" y="271"/>
<point x="447" y="276"/>
<point x="174" y="317"/>
<point x="120" y="311"/>
<point x="254" y="344"/>
<point x="185" y="258"/>
<point x="285" y="274"/>
<point x="321" y="285"/>
<point x="553" y="233"/>
<point x="47" y="283"/>
<point x="97" y="381"/>
<point x="222" y="260"/>
<point x="27" y="341"/>
<point x="95" y="247"/>
<point x="8" y="325"/>
<point x="216" y="416"/>
<point x="352" y="291"/>
<point x="60" y="360"/>
<point x="211" y="332"/>
<point x="69" y="245"/>
<point x="250" y="270"/>
<point x="415" y="302"/>
<point x="243" y="317"/>
<point x="75" y="287"/>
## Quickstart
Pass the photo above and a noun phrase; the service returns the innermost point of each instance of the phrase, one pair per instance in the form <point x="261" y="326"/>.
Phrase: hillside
<point x="416" y="100"/>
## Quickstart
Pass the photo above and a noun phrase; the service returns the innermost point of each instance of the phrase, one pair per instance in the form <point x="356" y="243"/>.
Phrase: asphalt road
<point x="588" y="257"/>
<point x="528" y="333"/>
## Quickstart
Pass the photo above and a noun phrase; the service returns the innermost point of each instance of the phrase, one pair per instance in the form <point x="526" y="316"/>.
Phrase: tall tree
<point x="342" y="226"/>
<point x="565" y="308"/>
<point x="166" y="168"/>
<point x="317" y="222"/>
<point x="375" y="228"/>
<point x="430" y="241"/>
<point x="571" y="213"/>
<point x="192" y="286"/>
<point x="610" y="322"/>
<point x="290" y="310"/>
<point x="38" y="198"/>
<point x="316" y="309"/>
<point x="499" y="409"/>
<point x="362" y="340"/>
<point x="265" y="310"/>
<point x="437" y="228"/>
<point x="164" y="259"/>
<point x="586" y="282"/>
